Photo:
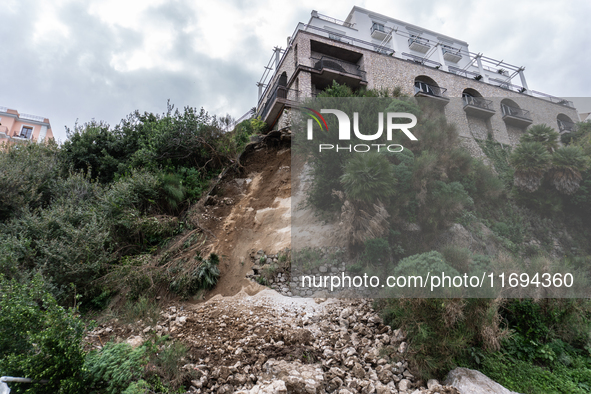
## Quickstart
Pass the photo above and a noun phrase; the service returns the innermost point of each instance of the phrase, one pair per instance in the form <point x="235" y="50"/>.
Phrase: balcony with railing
<point x="277" y="99"/>
<point x="477" y="106"/>
<point x="419" y="44"/>
<point x="432" y="92"/>
<point x="516" y="116"/>
<point x="451" y="54"/>
<point x="332" y="64"/>
<point x="335" y="21"/>
<point x="422" y="60"/>
<point x="565" y="126"/>
<point x="379" y="31"/>
<point x="464" y="73"/>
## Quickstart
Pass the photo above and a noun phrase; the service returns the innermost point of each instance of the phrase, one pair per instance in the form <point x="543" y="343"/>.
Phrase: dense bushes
<point x="27" y="174"/>
<point x="99" y="208"/>
<point x="38" y="338"/>
<point x="440" y="331"/>
<point x="74" y="213"/>
<point x="535" y="199"/>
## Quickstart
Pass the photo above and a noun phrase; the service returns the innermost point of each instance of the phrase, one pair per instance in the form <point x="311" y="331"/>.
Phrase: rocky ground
<point x="269" y="343"/>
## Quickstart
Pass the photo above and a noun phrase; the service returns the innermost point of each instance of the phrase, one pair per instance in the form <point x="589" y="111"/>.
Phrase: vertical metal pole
<point x="523" y="81"/>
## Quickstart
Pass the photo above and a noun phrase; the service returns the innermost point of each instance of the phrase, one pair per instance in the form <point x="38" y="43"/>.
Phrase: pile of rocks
<point x="269" y="343"/>
<point x="267" y="269"/>
<point x="274" y="344"/>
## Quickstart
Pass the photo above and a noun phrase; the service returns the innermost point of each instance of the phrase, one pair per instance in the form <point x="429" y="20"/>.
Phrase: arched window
<point x="426" y="85"/>
<point x="514" y="115"/>
<point x="470" y="96"/>
<point x="510" y="107"/>
<point x="565" y="124"/>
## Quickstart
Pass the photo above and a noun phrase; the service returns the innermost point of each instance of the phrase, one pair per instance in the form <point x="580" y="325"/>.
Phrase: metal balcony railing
<point x="552" y="99"/>
<point x="464" y="73"/>
<point x="451" y="54"/>
<point x="331" y="63"/>
<point x="278" y="92"/>
<point x="478" y="102"/>
<point x="379" y="27"/>
<point x="516" y="112"/>
<point x="422" y="87"/>
<point x="32" y="117"/>
<point x="335" y="21"/>
<point x="565" y="126"/>
<point x="422" y="60"/>
<point x="418" y="40"/>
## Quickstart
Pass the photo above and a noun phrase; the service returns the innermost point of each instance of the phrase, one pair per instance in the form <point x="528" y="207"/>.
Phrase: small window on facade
<point x="295" y="54"/>
<point x="378" y="26"/>
<point x="26" y="132"/>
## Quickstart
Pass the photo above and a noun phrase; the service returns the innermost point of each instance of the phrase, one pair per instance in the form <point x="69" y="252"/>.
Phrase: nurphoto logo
<point x="392" y="119"/>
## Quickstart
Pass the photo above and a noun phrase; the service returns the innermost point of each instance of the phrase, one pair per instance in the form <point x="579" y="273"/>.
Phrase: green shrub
<point x="168" y="364"/>
<point x="458" y="258"/>
<point x="528" y="378"/>
<point x="444" y="204"/>
<point x="376" y="250"/>
<point x="70" y="242"/>
<point x="208" y="272"/>
<point x="114" y="368"/>
<point x="439" y="331"/>
<point x="143" y="309"/>
<point x="27" y="174"/>
<point x="420" y="264"/>
<point x="39" y="339"/>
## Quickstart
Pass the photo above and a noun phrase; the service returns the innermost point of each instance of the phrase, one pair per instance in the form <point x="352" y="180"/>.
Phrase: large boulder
<point x="469" y="381"/>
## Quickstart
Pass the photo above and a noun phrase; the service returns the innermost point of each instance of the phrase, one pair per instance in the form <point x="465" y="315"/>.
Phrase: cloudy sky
<point x="72" y="60"/>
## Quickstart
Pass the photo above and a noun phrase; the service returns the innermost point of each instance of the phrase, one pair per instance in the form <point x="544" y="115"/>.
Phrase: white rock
<point x="432" y="383"/>
<point x="469" y="381"/>
<point x="403" y="347"/>
<point x="135" y="341"/>
<point x="404" y="385"/>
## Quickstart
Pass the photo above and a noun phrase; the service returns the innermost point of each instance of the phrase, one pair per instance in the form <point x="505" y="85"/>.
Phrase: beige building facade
<point x="361" y="52"/>
<point x="17" y="127"/>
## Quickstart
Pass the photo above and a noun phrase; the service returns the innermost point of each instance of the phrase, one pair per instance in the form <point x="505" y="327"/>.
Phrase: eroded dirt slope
<point x="247" y="212"/>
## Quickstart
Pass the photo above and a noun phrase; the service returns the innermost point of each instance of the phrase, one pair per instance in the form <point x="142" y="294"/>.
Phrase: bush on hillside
<point x="39" y="339"/>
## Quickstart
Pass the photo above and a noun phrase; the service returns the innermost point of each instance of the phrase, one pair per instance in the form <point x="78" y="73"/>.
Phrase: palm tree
<point x="531" y="160"/>
<point x="567" y="164"/>
<point x="368" y="177"/>
<point x="543" y="134"/>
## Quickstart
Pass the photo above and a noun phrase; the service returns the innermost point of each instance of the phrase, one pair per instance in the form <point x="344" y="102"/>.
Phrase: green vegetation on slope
<point x="535" y="204"/>
<point x="79" y="221"/>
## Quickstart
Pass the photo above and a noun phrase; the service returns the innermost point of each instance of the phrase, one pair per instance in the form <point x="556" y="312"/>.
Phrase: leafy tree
<point x="531" y="161"/>
<point x="39" y="339"/>
<point x="27" y="173"/>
